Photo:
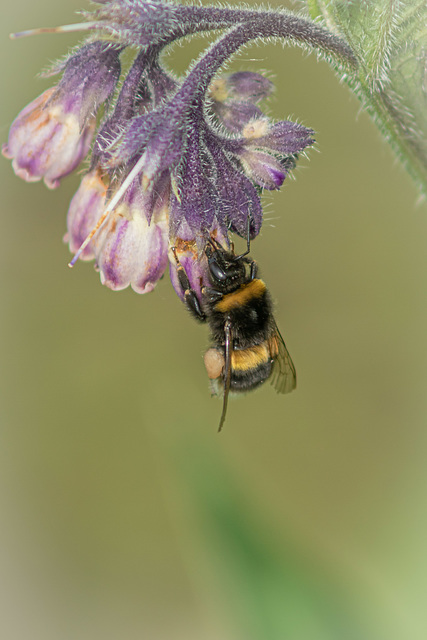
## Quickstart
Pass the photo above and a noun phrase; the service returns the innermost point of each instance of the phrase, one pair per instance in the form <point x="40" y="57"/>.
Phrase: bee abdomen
<point x="250" y="367"/>
<point x="250" y="358"/>
<point x="250" y="378"/>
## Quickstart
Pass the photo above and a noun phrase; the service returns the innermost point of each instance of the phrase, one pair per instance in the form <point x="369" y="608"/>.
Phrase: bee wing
<point x="283" y="376"/>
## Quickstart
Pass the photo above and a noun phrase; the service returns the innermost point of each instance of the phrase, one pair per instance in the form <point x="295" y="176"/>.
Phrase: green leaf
<point x="389" y="40"/>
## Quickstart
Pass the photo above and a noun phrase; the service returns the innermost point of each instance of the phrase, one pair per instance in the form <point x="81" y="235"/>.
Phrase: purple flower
<point x="240" y="201"/>
<point x="52" y="135"/>
<point x="45" y="140"/>
<point x="285" y="137"/>
<point x="86" y="208"/>
<point x="131" y="250"/>
<point x="129" y="242"/>
<point x="169" y="167"/>
<point x="214" y="176"/>
<point x="269" y="151"/>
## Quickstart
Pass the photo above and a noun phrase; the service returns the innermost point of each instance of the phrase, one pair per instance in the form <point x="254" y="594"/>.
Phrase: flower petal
<point x="130" y="251"/>
<point x="85" y="209"/>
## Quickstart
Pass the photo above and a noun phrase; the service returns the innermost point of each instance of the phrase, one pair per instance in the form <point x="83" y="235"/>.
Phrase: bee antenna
<point x="211" y="242"/>
<point x="215" y="244"/>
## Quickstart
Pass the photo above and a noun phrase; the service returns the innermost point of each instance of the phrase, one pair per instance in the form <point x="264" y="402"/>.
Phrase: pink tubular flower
<point x="52" y="135"/>
<point x="45" y="140"/>
<point x="131" y="248"/>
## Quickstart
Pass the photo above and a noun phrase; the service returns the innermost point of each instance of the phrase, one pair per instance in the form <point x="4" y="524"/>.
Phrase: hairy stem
<point x="158" y="23"/>
<point x="288" y="27"/>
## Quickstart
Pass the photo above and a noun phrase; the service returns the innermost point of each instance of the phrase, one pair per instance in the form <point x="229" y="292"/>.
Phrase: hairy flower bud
<point x="236" y="115"/>
<point x="263" y="168"/>
<point x="234" y="98"/>
<point x="247" y="86"/>
<point x="90" y="74"/>
<point x="284" y="137"/>
<point x="268" y="151"/>
<point x="242" y="86"/>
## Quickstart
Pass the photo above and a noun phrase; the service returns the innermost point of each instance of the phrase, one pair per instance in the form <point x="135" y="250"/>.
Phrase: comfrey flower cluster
<point x="171" y="163"/>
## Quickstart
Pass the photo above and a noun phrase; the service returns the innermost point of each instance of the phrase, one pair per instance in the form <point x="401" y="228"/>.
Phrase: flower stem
<point x="284" y="26"/>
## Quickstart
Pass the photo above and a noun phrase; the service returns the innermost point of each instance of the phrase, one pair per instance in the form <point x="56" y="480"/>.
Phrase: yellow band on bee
<point x="244" y="294"/>
<point x="246" y="359"/>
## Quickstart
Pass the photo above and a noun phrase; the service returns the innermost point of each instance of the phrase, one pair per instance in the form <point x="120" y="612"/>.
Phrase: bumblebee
<point x="247" y="348"/>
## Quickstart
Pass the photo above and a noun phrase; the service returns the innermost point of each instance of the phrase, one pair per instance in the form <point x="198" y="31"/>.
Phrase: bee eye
<point x="217" y="272"/>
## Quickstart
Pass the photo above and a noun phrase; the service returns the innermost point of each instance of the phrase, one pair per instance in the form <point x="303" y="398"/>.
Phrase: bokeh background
<point x="123" y="514"/>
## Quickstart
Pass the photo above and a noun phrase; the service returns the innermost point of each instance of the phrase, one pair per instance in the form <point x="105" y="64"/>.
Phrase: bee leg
<point x="212" y="294"/>
<point x="193" y="304"/>
<point x="190" y="296"/>
<point x="254" y="269"/>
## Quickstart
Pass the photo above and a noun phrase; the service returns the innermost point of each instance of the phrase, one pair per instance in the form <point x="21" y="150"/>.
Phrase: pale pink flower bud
<point x="45" y="140"/>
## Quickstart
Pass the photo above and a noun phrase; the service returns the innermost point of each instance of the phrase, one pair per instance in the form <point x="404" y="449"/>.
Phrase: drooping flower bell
<point x="129" y="241"/>
<point x="131" y="248"/>
<point x="52" y="135"/>
<point x="112" y="218"/>
<point x="268" y="151"/>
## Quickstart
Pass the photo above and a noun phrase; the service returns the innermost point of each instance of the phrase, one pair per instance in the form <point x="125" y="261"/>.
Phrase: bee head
<point x="224" y="269"/>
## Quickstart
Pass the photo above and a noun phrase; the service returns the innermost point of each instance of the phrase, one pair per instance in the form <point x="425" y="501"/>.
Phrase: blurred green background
<point x="123" y="513"/>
